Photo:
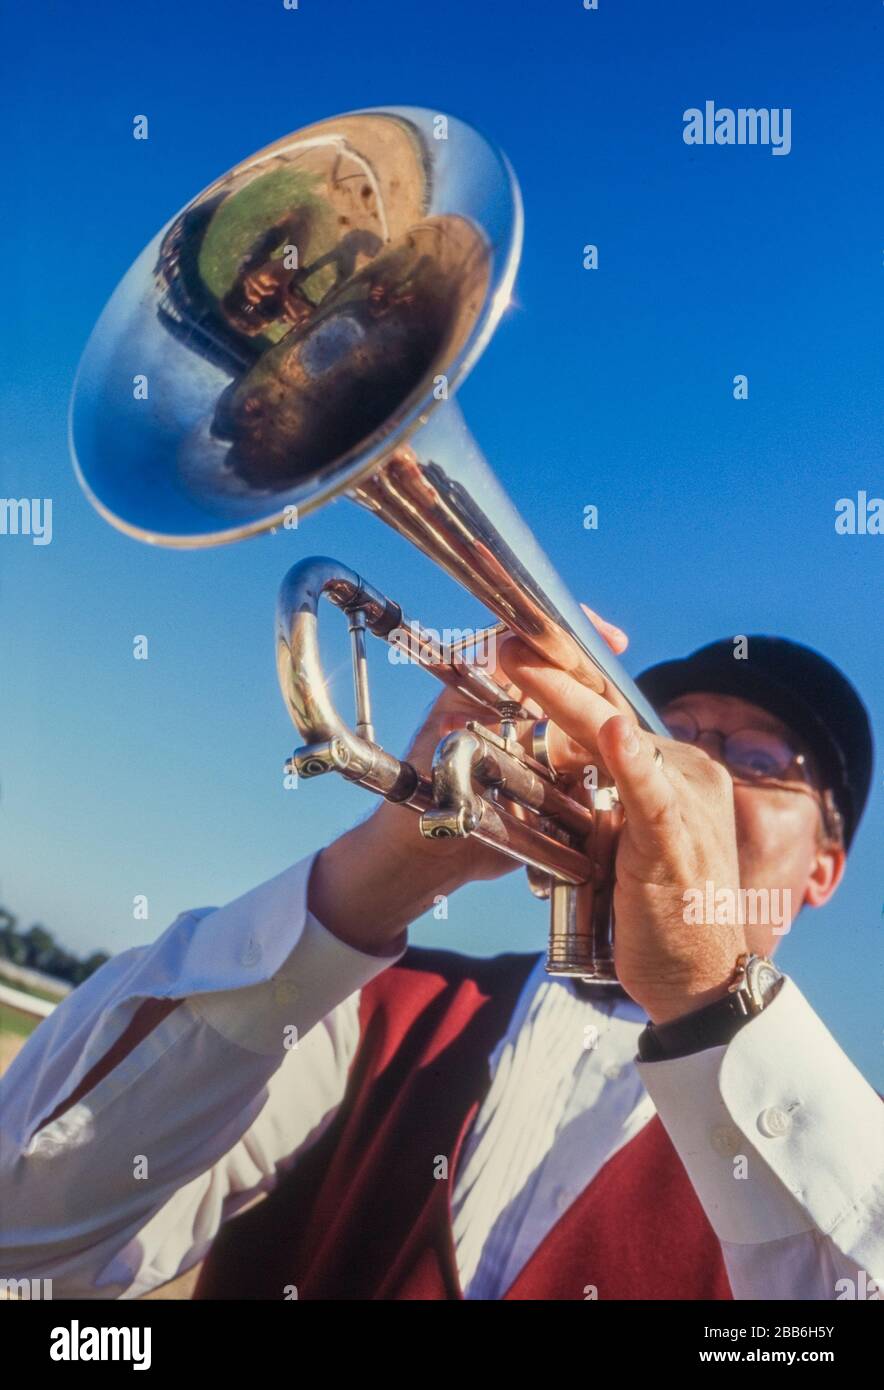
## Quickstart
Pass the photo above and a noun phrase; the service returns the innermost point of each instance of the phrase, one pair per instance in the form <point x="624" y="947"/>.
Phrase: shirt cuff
<point x="784" y="1098"/>
<point x="282" y="969"/>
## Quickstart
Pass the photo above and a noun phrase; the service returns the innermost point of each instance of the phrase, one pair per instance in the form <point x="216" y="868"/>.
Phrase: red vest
<point x="361" y="1215"/>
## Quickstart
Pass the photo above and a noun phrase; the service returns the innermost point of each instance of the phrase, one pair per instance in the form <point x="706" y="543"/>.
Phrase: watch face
<point x="765" y="979"/>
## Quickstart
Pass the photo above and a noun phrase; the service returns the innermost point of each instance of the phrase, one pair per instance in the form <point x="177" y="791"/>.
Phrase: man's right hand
<point x="368" y="885"/>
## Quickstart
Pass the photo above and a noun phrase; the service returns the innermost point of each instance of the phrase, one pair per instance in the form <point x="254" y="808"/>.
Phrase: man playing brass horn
<point x="427" y="1125"/>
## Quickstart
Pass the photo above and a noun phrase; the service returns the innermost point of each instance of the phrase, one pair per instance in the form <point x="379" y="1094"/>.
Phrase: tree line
<point x="37" y="949"/>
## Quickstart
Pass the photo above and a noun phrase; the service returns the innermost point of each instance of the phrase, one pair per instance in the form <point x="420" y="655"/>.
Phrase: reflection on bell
<point x="358" y="359"/>
<point x="291" y="323"/>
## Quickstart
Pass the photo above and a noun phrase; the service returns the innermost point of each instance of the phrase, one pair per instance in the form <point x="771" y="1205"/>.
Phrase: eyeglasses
<point x="751" y="753"/>
<point x="760" y="756"/>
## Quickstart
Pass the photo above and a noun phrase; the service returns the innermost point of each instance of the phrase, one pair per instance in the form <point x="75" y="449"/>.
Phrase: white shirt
<point x="128" y="1188"/>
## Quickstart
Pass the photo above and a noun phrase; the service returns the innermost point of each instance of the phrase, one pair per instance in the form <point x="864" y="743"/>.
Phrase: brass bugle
<point x="298" y="333"/>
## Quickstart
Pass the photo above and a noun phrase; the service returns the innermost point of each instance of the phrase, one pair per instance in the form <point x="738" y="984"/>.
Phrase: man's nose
<point x="712" y="742"/>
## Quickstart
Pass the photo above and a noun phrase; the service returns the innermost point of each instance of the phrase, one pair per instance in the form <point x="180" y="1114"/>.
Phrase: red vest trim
<point x="361" y="1215"/>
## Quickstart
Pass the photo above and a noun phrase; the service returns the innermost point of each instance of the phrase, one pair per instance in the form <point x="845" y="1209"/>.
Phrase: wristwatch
<point x="756" y="982"/>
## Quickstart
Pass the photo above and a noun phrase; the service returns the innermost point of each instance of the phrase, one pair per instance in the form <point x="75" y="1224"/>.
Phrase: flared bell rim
<point x="357" y="462"/>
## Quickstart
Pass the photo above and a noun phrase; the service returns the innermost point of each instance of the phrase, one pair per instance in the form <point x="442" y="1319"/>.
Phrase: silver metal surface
<point x="290" y="321"/>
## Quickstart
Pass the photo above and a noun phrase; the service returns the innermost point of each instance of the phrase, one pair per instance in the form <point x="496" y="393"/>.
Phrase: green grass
<point x="12" y="1021"/>
<point x="243" y="217"/>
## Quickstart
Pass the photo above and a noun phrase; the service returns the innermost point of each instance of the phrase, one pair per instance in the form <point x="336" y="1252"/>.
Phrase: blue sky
<point x="611" y="387"/>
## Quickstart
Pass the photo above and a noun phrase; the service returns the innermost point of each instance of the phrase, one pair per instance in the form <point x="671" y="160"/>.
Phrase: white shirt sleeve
<point x="783" y="1140"/>
<point x="128" y="1187"/>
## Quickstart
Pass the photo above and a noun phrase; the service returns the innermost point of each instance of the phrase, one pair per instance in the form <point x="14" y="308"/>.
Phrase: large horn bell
<point x="292" y="322"/>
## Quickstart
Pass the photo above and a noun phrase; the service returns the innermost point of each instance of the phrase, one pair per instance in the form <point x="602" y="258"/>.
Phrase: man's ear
<point x="826" y="872"/>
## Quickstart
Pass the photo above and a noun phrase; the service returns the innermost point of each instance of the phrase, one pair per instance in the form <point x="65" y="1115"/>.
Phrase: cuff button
<point x="774" y="1122"/>
<point x="250" y="953"/>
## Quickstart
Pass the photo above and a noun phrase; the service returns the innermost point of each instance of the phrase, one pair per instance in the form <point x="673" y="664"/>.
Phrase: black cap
<point x="795" y="684"/>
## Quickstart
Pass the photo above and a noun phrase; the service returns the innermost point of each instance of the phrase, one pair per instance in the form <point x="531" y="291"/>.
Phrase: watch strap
<point x="712" y="1026"/>
<point x="715" y="1024"/>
